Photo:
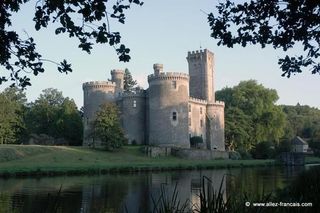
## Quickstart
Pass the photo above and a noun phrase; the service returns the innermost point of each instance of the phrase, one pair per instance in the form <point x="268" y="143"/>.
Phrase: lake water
<point x="136" y="191"/>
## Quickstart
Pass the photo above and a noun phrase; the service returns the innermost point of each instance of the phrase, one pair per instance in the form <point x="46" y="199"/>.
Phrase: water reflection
<point x="136" y="192"/>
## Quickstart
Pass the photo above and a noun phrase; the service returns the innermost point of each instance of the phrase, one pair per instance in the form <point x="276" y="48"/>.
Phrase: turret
<point x="117" y="77"/>
<point x="215" y="126"/>
<point x="95" y="93"/>
<point x="158" y="68"/>
<point x="201" y="65"/>
<point x="168" y="109"/>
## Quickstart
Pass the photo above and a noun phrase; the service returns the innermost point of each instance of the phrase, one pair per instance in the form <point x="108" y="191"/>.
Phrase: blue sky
<point x="161" y="32"/>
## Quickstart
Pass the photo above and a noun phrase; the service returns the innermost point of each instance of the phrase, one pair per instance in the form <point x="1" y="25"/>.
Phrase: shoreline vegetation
<point x="37" y="160"/>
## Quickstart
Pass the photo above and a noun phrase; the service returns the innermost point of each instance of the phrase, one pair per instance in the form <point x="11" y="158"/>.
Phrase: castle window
<point x="134" y="103"/>
<point x="174" y="84"/>
<point x="189" y="121"/>
<point x="189" y="108"/>
<point x="174" y="116"/>
<point x="201" y="123"/>
<point x="200" y="110"/>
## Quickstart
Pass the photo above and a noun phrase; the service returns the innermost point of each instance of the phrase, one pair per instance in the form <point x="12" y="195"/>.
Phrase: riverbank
<point x="34" y="160"/>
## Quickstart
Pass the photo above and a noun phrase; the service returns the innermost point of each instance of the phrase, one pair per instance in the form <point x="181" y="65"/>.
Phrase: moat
<point x="113" y="193"/>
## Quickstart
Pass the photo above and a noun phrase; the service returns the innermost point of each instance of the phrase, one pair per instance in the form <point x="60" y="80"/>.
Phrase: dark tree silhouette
<point x="129" y="83"/>
<point x="280" y="23"/>
<point x="88" y="21"/>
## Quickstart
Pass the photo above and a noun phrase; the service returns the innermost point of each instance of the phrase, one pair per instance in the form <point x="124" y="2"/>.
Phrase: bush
<point x="233" y="155"/>
<point x="283" y="146"/>
<point x="315" y="146"/>
<point x="245" y="155"/>
<point x="134" y="143"/>
<point x="195" y="141"/>
<point x="264" y="150"/>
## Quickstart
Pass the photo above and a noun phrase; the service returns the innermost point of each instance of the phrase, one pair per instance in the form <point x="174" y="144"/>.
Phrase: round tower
<point x="117" y="76"/>
<point x="95" y="94"/>
<point x="133" y="116"/>
<point x="168" y="109"/>
<point x="215" y="126"/>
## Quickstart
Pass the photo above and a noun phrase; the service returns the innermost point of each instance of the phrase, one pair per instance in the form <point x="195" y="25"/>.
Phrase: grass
<point x="24" y="160"/>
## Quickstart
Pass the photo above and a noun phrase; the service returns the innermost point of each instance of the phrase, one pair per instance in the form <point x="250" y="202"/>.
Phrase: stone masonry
<point x="175" y="107"/>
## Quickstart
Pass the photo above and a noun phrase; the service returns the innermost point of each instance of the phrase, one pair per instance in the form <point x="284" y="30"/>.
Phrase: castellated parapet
<point x="136" y="94"/>
<point x="176" y="106"/>
<point x="98" y="84"/>
<point x="168" y="76"/>
<point x="157" y="68"/>
<point x="198" y="101"/>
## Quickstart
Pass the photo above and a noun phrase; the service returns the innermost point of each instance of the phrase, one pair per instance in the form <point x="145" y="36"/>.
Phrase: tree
<point x="12" y="102"/>
<point x="69" y="123"/>
<point x="303" y="121"/>
<point x="129" y="83"/>
<point x="282" y="24"/>
<point x="107" y="127"/>
<point x="251" y="115"/>
<point x="55" y="116"/>
<point x="88" y="21"/>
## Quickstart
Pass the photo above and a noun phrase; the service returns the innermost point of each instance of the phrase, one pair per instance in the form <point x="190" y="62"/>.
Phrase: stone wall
<point x="197" y="119"/>
<point x="199" y="154"/>
<point x="157" y="151"/>
<point x="201" y="64"/>
<point x="133" y="117"/>
<point x="168" y="109"/>
<point x="95" y="93"/>
<point x="215" y="126"/>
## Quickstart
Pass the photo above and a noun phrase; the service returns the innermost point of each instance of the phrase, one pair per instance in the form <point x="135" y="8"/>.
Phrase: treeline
<point x="256" y="127"/>
<point x="51" y="118"/>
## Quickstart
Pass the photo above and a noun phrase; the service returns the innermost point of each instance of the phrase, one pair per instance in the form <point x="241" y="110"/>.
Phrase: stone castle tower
<point x="175" y="107"/>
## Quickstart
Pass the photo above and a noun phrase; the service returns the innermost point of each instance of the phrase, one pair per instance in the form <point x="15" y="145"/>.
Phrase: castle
<point x="174" y="108"/>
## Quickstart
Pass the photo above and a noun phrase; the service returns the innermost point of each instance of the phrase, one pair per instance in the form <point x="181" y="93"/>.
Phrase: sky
<point x="160" y="32"/>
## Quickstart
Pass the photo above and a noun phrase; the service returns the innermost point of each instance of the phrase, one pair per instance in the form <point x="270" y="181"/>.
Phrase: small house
<point x="299" y="145"/>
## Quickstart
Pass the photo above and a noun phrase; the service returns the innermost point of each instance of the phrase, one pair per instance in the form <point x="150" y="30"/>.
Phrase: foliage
<point x="195" y="141"/>
<point x="233" y="155"/>
<point x="263" y="150"/>
<point x="88" y="21"/>
<point x="107" y="127"/>
<point x="56" y="116"/>
<point x="244" y="153"/>
<point x="303" y="121"/>
<point x="304" y="188"/>
<point x="166" y="203"/>
<point x="12" y="101"/>
<point x="280" y="24"/>
<point x="315" y="146"/>
<point x="129" y="83"/>
<point x="283" y="146"/>
<point x="251" y="115"/>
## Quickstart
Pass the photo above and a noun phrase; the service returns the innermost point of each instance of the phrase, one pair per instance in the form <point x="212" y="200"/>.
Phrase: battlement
<point x="217" y="103"/>
<point x="168" y="76"/>
<point x="135" y="94"/>
<point x="116" y="71"/>
<point x="195" y="55"/>
<point x="98" y="84"/>
<point x="198" y="101"/>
